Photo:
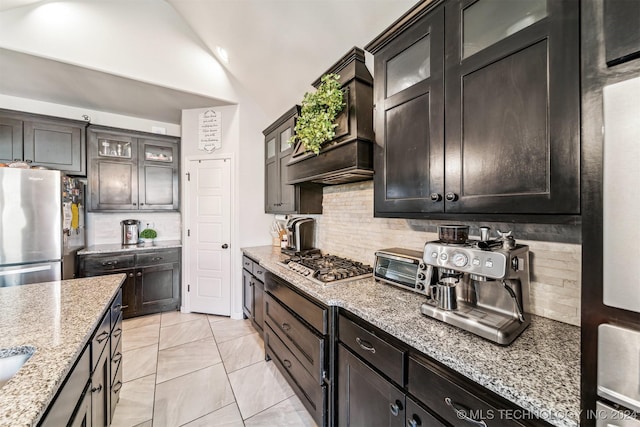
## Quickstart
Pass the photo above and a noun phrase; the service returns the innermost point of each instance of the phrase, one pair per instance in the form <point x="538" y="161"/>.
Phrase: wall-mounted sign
<point x="209" y="130"/>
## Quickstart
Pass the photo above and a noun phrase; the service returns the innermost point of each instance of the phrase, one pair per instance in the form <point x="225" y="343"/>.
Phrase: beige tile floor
<point x="196" y="370"/>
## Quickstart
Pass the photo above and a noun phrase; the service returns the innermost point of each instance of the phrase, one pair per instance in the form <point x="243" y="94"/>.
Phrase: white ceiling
<point x="276" y="49"/>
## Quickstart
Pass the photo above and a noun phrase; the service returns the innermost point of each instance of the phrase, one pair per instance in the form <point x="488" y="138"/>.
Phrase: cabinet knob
<point x="139" y="274"/>
<point x="225" y="246"/>
<point x="451" y="197"/>
<point x="96" y="389"/>
<point x="28" y="161"/>
<point x="134" y="204"/>
<point x="395" y="408"/>
<point x="130" y="274"/>
<point x="435" y="197"/>
<point x="413" y="422"/>
<point x="141" y="204"/>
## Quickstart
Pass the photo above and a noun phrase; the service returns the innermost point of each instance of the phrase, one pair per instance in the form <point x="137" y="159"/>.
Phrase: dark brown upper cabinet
<point x="503" y="135"/>
<point x="130" y="171"/>
<point x="279" y="196"/>
<point x="409" y="118"/>
<point x="43" y="141"/>
<point x="621" y="31"/>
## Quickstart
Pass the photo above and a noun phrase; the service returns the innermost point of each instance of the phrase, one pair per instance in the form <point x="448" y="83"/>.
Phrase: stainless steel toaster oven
<point x="403" y="268"/>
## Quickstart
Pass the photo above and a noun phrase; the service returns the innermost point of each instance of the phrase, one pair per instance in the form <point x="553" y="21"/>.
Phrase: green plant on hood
<point x="315" y="125"/>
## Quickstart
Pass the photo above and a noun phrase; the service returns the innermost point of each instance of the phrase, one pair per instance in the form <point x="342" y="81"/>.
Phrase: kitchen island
<point x="55" y="321"/>
<point x="539" y="372"/>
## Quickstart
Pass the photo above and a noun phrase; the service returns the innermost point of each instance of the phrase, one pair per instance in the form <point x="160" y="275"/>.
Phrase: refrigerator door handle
<point x="25" y="270"/>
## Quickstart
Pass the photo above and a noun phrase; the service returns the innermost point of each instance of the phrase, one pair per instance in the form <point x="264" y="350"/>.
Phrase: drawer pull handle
<point x="286" y="327"/>
<point x="117" y="386"/>
<point x="103" y="336"/>
<point x="156" y="258"/>
<point x="395" y="408"/>
<point x="286" y="363"/>
<point x="259" y="272"/>
<point x="117" y="307"/>
<point x="365" y="345"/>
<point x="461" y="413"/>
<point x="97" y="389"/>
<point x="109" y="263"/>
<point x="117" y="333"/>
<point x="414" y="421"/>
<point x="117" y="357"/>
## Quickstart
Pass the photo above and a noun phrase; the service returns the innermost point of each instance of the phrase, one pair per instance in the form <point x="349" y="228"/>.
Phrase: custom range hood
<point x="349" y="156"/>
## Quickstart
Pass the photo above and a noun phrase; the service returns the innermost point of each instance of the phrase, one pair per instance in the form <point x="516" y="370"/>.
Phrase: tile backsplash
<point x="103" y="228"/>
<point x="347" y="228"/>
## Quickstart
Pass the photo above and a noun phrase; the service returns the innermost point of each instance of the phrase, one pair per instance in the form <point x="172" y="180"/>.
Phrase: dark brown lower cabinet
<point x="100" y="405"/>
<point x="253" y="292"/>
<point x="153" y="278"/>
<point x="83" y="414"/>
<point x="364" y="397"/>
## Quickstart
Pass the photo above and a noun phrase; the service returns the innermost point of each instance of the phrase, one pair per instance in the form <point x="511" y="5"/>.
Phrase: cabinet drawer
<point x="306" y="346"/>
<point x="247" y="263"/>
<point x="451" y="401"/>
<point x="258" y="271"/>
<point x="312" y="395"/>
<point x="116" y="361"/>
<point x="116" y="386"/>
<point x="107" y="263"/>
<point x="116" y="335"/>
<point x="310" y="312"/>
<point x="160" y="257"/>
<point x="116" y="309"/>
<point x="100" y="339"/>
<point x="378" y="353"/>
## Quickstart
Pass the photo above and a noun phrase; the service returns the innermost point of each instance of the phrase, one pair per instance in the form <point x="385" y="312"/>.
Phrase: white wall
<point x="119" y="37"/>
<point x="242" y="141"/>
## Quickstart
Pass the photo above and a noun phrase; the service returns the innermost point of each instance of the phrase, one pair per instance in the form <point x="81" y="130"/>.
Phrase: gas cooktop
<point x="328" y="269"/>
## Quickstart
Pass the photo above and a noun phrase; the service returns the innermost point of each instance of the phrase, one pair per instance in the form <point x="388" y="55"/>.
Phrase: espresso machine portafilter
<point x="482" y="286"/>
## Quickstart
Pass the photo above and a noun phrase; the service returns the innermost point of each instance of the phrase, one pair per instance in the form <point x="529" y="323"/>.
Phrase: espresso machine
<point x="482" y="285"/>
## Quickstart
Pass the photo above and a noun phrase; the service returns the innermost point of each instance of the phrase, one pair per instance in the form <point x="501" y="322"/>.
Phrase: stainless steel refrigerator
<point x="618" y="386"/>
<point x="40" y="225"/>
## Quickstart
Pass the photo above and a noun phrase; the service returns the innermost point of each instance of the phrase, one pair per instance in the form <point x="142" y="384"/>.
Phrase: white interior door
<point x="209" y="230"/>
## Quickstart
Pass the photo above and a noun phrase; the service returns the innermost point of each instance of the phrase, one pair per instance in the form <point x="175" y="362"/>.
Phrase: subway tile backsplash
<point x="103" y="228"/>
<point x="347" y="228"/>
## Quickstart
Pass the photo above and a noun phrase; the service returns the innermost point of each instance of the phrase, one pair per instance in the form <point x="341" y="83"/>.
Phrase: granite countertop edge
<point x="539" y="372"/>
<point x="72" y="313"/>
<point x="117" y="247"/>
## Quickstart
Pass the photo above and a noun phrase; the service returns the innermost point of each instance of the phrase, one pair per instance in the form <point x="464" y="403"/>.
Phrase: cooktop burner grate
<point x="328" y="269"/>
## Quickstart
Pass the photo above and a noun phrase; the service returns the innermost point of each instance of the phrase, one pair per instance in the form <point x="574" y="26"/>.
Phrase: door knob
<point x="225" y="246"/>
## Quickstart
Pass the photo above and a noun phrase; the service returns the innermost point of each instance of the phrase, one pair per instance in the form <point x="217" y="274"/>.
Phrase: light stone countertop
<point x="57" y="320"/>
<point x="539" y="371"/>
<point x="117" y="247"/>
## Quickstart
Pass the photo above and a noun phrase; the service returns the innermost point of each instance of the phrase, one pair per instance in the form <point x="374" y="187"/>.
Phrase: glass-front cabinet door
<point x="486" y="22"/>
<point x="158" y="175"/>
<point x="116" y="147"/>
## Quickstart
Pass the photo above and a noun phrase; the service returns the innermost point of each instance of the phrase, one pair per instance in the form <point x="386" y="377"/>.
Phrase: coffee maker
<point x="300" y="236"/>
<point x="482" y="285"/>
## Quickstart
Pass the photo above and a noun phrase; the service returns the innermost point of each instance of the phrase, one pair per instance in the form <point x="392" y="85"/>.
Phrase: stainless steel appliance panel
<point x="30" y="273"/>
<point x="621" y="195"/>
<point x="30" y="216"/>
<point x="619" y="365"/>
<point x="607" y="416"/>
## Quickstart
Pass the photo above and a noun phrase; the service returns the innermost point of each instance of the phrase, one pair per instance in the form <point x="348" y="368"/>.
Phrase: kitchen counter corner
<point x="57" y="320"/>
